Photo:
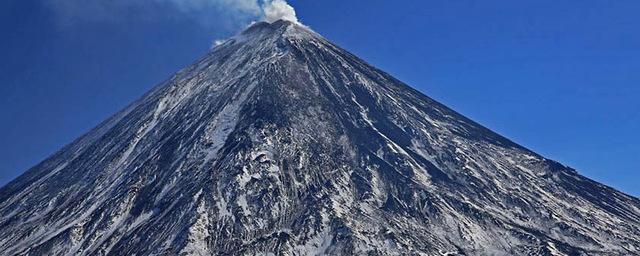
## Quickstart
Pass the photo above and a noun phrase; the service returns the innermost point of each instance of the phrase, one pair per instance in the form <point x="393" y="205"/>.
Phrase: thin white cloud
<point x="217" y="42"/>
<point x="249" y="7"/>
<point x="229" y="14"/>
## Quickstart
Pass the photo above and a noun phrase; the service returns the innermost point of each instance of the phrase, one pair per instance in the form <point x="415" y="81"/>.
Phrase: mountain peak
<point x="283" y="22"/>
<point x="284" y="28"/>
<point x="279" y="142"/>
<point x="263" y="26"/>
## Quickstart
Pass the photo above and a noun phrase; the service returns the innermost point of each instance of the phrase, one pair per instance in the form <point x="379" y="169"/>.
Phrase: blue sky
<point x="559" y="77"/>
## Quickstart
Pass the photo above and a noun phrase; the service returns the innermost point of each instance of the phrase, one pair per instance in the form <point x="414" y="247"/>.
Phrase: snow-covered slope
<point x="279" y="142"/>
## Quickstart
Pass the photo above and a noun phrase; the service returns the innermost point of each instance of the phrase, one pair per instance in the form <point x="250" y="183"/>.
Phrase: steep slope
<point x="280" y="142"/>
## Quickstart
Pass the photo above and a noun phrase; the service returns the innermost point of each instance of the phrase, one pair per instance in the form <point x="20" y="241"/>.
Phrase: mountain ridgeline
<point x="278" y="142"/>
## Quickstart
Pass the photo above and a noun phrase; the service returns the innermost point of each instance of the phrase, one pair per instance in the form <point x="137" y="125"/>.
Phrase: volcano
<point x="278" y="142"/>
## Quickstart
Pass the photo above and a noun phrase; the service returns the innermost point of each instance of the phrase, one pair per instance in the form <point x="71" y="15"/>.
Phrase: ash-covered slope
<point x="280" y="142"/>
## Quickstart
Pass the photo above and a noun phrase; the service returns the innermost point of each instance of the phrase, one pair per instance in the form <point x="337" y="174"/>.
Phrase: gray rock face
<point x="280" y="143"/>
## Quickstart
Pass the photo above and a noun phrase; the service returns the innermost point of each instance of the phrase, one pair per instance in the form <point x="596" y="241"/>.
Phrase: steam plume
<point x="278" y="9"/>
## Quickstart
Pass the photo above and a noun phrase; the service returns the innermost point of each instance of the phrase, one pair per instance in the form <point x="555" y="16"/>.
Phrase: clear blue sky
<point x="559" y="77"/>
